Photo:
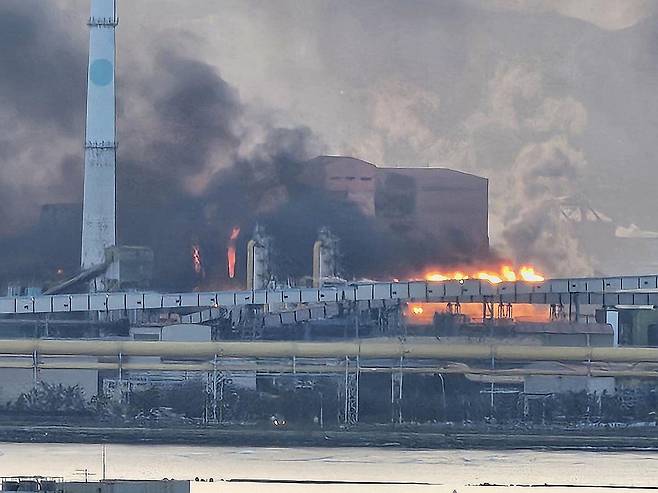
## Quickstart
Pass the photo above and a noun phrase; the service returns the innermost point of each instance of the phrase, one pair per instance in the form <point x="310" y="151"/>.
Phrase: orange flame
<point x="436" y="277"/>
<point x="423" y="313"/>
<point x="508" y="273"/>
<point x="197" y="264"/>
<point x="455" y="276"/>
<point x="529" y="274"/>
<point x="494" y="276"/>
<point x="488" y="276"/>
<point x="230" y="251"/>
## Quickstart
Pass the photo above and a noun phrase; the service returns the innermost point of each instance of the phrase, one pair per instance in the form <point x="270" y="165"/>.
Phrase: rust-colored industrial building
<point x="434" y="202"/>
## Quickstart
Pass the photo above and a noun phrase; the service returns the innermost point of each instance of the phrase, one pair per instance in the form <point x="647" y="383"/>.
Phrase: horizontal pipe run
<point x="363" y="349"/>
<point x="329" y="370"/>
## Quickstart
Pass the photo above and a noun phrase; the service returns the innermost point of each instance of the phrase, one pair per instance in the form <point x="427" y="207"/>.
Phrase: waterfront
<point x="350" y="469"/>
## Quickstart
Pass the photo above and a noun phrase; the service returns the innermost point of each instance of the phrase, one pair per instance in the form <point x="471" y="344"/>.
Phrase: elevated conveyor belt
<point x="608" y="291"/>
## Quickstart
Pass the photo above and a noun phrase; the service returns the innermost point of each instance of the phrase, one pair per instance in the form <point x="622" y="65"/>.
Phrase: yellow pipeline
<point x="580" y="370"/>
<point x="364" y="349"/>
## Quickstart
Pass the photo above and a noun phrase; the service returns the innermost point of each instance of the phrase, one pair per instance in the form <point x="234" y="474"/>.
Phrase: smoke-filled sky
<point x="554" y="100"/>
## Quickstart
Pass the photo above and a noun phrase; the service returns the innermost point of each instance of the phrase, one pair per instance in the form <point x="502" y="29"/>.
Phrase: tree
<point x="57" y="400"/>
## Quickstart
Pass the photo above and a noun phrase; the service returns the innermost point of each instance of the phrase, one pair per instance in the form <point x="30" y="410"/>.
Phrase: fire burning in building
<point x="230" y="251"/>
<point x="494" y="276"/>
<point x="423" y="313"/>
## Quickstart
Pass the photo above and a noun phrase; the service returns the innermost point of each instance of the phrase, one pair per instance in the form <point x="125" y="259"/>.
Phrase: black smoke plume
<point x="192" y="164"/>
<point x="42" y="82"/>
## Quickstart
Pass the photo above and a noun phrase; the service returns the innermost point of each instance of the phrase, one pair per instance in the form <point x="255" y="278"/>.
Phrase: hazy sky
<point x="549" y="99"/>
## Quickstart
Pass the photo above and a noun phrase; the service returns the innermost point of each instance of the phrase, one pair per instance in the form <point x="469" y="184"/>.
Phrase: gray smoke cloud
<point x="525" y="140"/>
<point x="534" y="227"/>
<point x="40" y="130"/>
<point x="550" y="100"/>
<point x="546" y="167"/>
<point x="467" y="85"/>
<point x="194" y="162"/>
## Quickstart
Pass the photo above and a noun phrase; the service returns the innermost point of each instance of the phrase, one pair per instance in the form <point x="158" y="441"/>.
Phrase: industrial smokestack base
<point x="258" y="260"/>
<point x="99" y="205"/>
<point x="326" y="253"/>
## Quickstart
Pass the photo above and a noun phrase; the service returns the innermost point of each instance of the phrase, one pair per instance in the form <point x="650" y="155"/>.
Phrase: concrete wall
<point x="172" y="333"/>
<point x="119" y="486"/>
<point x="147" y="333"/>
<point x="438" y="202"/>
<point x="186" y="333"/>
<point x="448" y="203"/>
<point x="16" y="381"/>
<point x="635" y="326"/>
<point x="594" y="340"/>
<point x="563" y="384"/>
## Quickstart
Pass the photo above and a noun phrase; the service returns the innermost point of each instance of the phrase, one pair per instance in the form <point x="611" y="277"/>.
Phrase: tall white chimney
<point x="99" y="206"/>
<point x="326" y="253"/>
<point x="259" y="269"/>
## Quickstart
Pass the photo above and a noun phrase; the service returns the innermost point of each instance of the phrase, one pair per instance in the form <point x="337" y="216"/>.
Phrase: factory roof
<point x="326" y="159"/>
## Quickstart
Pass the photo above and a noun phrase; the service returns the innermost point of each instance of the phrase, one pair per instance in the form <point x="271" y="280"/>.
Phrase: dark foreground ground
<point x="404" y="437"/>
